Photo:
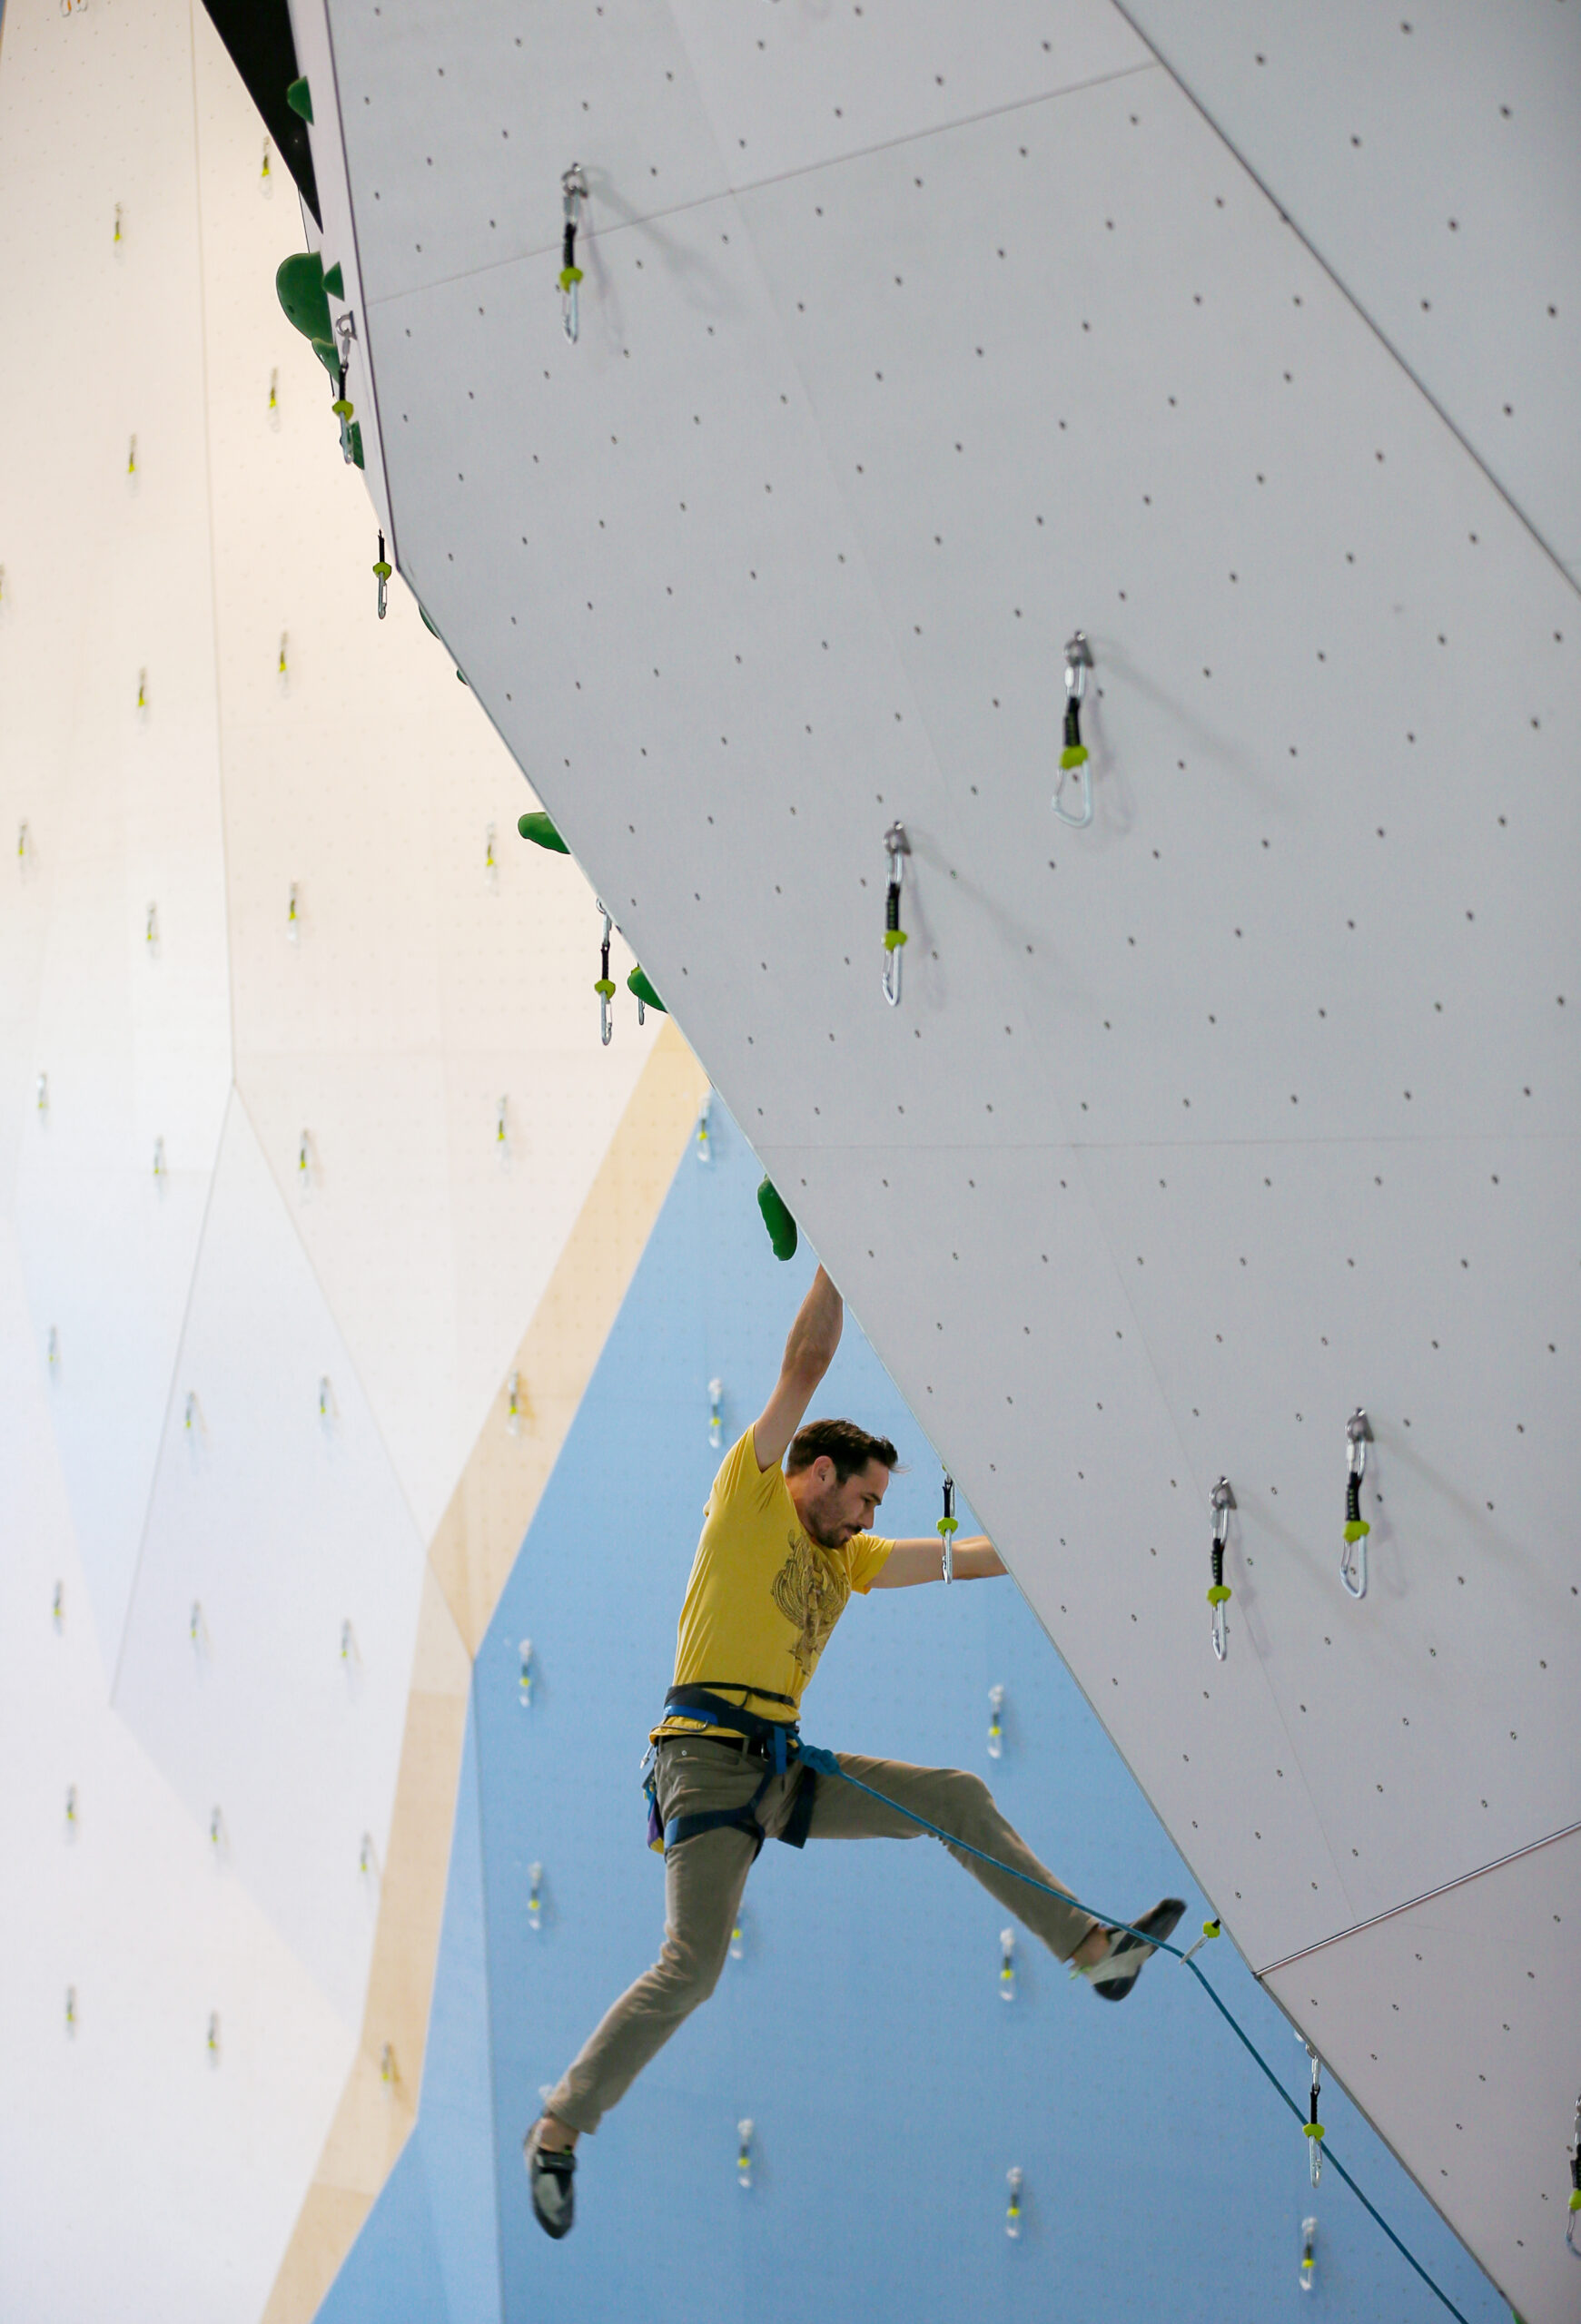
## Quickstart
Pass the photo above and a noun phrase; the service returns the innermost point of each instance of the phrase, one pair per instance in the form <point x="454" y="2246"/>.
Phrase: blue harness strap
<point x="782" y="1740"/>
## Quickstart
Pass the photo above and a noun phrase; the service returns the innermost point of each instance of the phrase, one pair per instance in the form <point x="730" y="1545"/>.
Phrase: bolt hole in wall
<point x="874" y="2023"/>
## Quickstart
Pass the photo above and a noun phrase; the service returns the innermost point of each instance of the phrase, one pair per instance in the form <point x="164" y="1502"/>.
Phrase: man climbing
<point x="781" y="1551"/>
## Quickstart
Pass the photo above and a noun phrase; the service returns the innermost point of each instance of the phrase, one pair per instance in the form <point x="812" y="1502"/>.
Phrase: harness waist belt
<point x="780" y="1739"/>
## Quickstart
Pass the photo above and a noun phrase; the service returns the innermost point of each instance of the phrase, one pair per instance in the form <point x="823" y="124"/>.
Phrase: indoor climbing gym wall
<point x="1031" y="559"/>
<point x="1028" y="560"/>
<point x="935" y="2122"/>
<point x="320" y="1194"/>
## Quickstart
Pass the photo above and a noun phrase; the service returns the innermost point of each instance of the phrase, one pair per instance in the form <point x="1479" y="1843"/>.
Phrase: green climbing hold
<point x="541" y="831"/>
<point x="781" y="1226"/>
<point x="354" y="435"/>
<point x="299" y="97"/>
<point x="1076" y="755"/>
<point x="335" y="282"/>
<point x="299" y="283"/>
<point x="639" y="984"/>
<point x="429" y="625"/>
<point x="1357" y="1528"/>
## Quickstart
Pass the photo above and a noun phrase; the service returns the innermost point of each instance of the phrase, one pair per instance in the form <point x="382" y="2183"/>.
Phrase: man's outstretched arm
<point x="914" y="1562"/>
<point x="808" y="1354"/>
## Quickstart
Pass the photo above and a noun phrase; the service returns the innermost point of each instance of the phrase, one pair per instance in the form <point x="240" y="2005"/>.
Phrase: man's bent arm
<point x="913" y="1561"/>
<point x="808" y="1354"/>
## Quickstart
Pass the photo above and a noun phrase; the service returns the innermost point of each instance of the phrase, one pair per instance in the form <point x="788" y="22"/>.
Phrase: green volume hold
<point x="639" y="984"/>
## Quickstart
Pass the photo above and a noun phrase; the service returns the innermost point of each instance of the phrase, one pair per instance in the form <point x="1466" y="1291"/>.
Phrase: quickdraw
<point x="1223" y="1501"/>
<point x="574" y="189"/>
<point x="896" y="848"/>
<point x="1353" y="1556"/>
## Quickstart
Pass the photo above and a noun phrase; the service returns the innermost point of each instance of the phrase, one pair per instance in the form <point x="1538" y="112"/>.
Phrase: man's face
<point x="834" y="1514"/>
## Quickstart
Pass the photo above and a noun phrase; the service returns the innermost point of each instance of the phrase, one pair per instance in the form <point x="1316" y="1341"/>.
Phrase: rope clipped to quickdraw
<point x="1074" y="758"/>
<point x="604" y="984"/>
<point x="1574" y="2151"/>
<point x="825" y="1762"/>
<point x="1353" y="1556"/>
<point x="1314" y="2127"/>
<point x="948" y="1529"/>
<point x="384" y="570"/>
<point x="574" y="189"/>
<point x="1223" y="1501"/>
<point x="896" y="848"/>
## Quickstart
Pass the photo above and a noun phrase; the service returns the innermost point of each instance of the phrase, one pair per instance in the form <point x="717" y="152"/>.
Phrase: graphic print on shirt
<point x="811" y="1592"/>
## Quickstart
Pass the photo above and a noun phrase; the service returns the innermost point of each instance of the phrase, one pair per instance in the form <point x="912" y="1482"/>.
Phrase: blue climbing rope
<point x="825" y="1763"/>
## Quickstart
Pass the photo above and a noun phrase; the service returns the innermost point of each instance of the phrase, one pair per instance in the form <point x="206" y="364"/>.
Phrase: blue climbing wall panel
<point x="890" y="2087"/>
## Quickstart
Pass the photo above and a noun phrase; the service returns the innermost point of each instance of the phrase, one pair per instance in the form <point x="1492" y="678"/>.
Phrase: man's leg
<point x="962" y="1806"/>
<point x="704" y="1880"/>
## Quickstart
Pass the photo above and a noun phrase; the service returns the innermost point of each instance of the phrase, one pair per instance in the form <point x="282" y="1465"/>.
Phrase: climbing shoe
<point x="554" y="2200"/>
<point x="1113" y="1978"/>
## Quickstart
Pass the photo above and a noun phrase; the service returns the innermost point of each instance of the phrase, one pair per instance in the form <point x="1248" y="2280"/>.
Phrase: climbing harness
<point x="1223" y="1501"/>
<point x="1353" y="1556"/>
<point x="574" y="188"/>
<point x="384" y="570"/>
<point x="1574" y="2150"/>
<point x="777" y="1740"/>
<point x="948" y="1529"/>
<point x="1314" y="2127"/>
<point x="604" y="984"/>
<point x="896" y="847"/>
<point x="1074" y="758"/>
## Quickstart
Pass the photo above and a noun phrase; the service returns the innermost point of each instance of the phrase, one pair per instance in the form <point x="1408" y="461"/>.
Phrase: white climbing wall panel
<point x="1429" y="157"/>
<point x="141" y="2174"/>
<point x="1253" y="1102"/>
<point x="271" y="1631"/>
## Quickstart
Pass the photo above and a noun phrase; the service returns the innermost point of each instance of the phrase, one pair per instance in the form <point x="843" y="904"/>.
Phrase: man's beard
<point x="824" y="1527"/>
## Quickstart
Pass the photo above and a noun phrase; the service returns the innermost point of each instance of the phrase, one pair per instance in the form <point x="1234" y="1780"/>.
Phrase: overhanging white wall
<point x="908" y="345"/>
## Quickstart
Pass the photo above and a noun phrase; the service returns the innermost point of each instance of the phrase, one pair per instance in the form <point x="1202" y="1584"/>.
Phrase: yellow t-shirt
<point x="763" y="1596"/>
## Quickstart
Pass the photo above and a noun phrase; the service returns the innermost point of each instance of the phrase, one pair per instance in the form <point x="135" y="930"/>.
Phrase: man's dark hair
<point x="849" y="1447"/>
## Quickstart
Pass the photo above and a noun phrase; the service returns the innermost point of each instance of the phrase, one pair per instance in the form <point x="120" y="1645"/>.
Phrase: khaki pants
<point x="704" y="1877"/>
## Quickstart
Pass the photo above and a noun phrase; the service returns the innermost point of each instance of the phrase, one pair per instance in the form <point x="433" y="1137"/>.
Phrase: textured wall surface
<point x="910" y="345"/>
<point x="240" y="904"/>
<point x="862" y="2031"/>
